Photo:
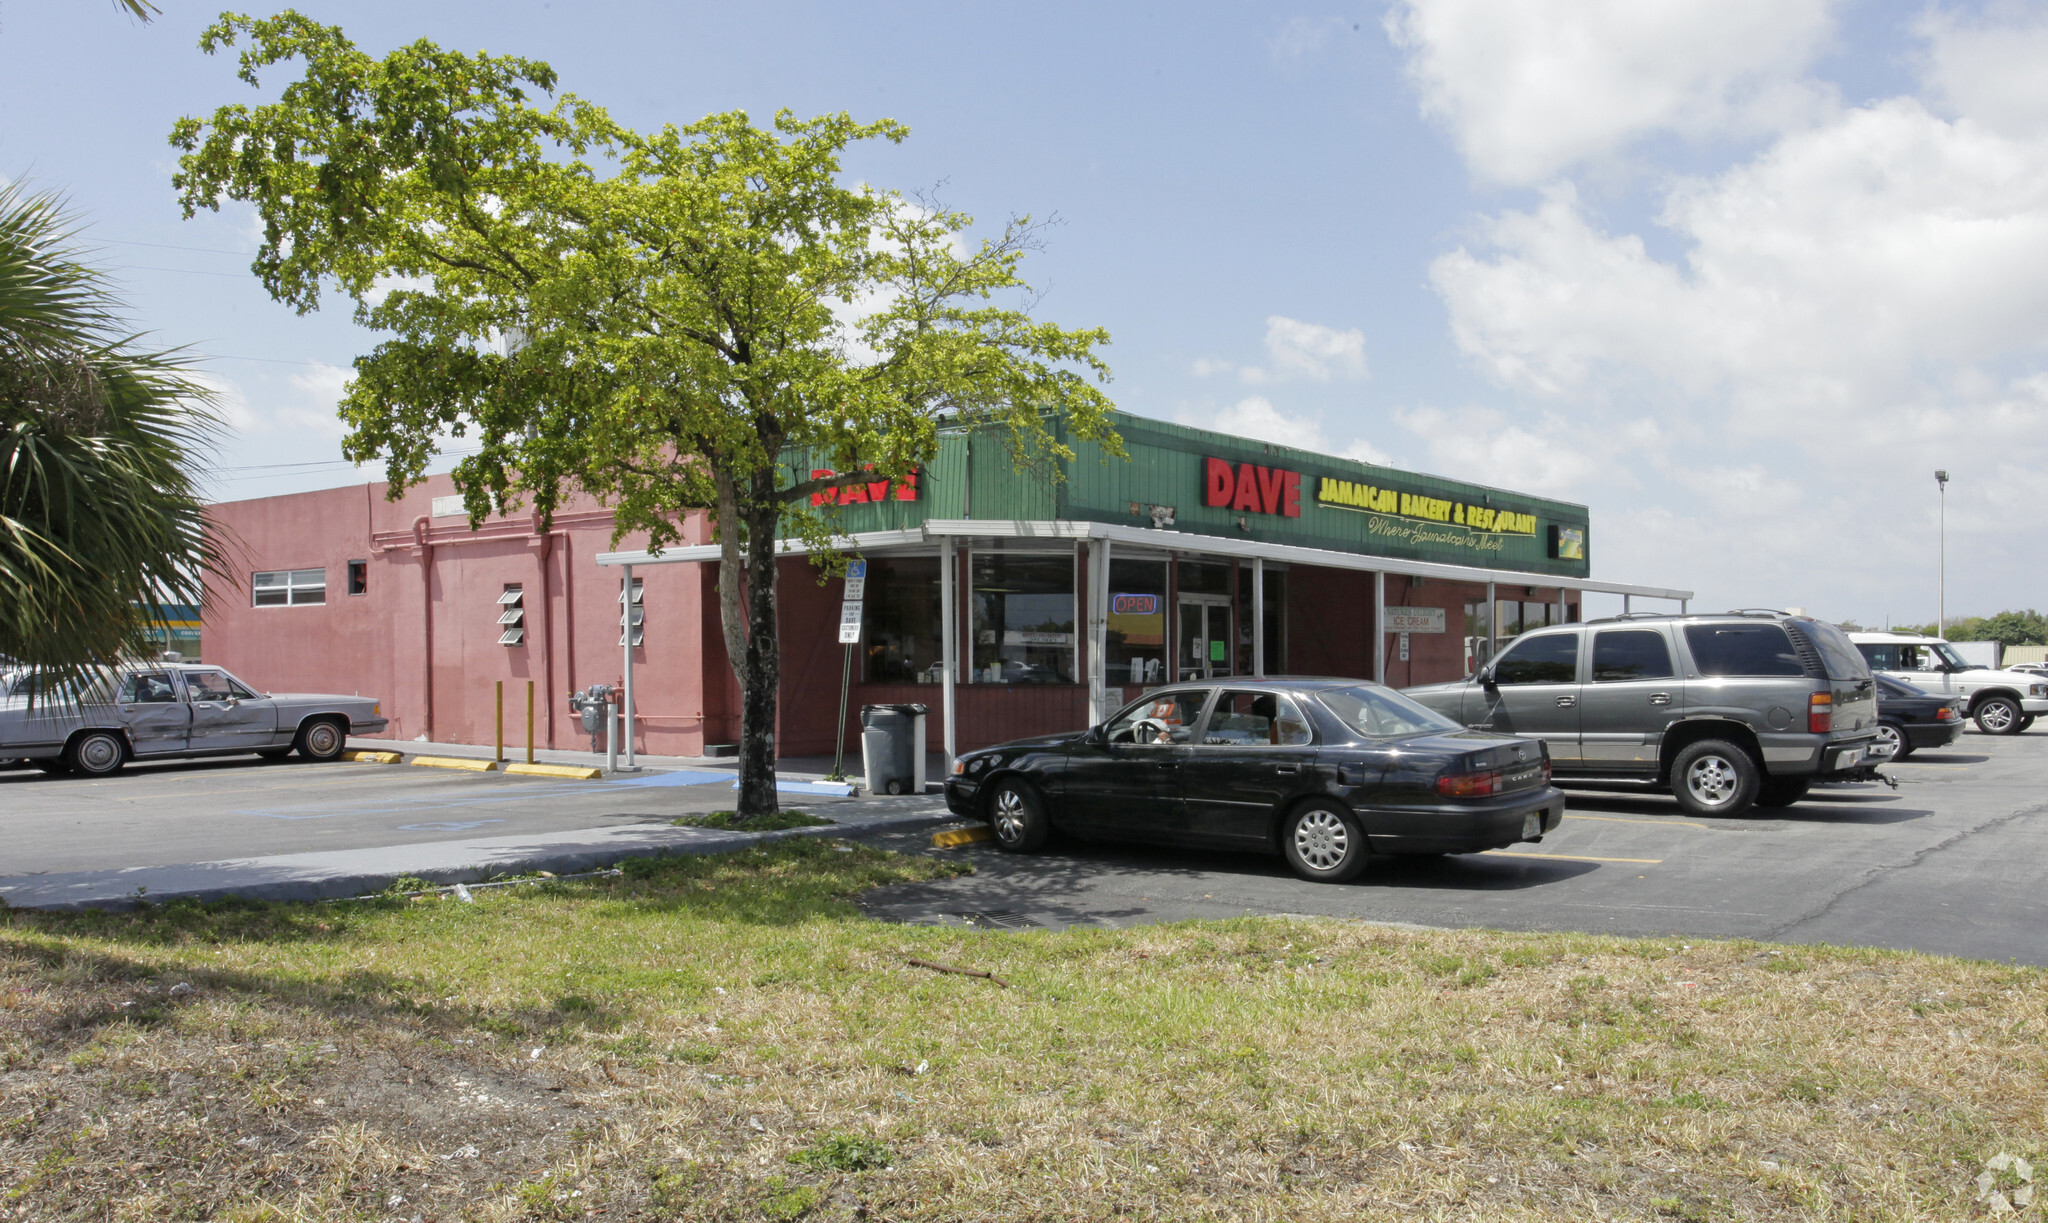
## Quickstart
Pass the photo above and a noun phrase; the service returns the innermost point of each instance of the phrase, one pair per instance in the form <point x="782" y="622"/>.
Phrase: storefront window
<point x="901" y="633"/>
<point x="1136" y="636"/>
<point x="1202" y="578"/>
<point x="1478" y="634"/>
<point x="1023" y="618"/>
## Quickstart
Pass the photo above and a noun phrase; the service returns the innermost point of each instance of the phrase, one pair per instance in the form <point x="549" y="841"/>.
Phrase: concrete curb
<point x="340" y="874"/>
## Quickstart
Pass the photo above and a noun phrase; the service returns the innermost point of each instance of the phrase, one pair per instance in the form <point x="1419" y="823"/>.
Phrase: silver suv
<point x="1726" y="712"/>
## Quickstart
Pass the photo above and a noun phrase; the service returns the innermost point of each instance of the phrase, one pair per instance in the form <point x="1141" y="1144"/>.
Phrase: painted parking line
<point x="1502" y="853"/>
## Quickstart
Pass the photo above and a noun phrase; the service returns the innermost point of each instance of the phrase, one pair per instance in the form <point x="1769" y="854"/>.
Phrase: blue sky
<point x="1736" y="274"/>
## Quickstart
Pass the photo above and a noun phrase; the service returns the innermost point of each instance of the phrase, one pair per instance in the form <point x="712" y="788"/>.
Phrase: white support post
<point x="1624" y="605"/>
<point x="1379" y="627"/>
<point x="1259" y="617"/>
<point x="949" y="645"/>
<point x="1563" y="608"/>
<point x="626" y="702"/>
<point x="1492" y="624"/>
<point x="1098" y="631"/>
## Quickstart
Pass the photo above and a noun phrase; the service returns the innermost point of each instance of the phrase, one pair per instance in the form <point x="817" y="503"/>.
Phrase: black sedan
<point x="1327" y="772"/>
<point x="1909" y="719"/>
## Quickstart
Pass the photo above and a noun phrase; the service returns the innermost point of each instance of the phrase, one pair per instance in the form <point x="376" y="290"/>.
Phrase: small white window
<point x="288" y="587"/>
<point x="512" y="636"/>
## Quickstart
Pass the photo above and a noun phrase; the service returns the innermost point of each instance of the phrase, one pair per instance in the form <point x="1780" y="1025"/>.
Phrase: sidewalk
<point x="333" y="874"/>
<point x="793" y="768"/>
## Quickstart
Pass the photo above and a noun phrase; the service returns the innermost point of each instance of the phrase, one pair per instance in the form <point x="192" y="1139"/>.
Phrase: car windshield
<point x="1948" y="655"/>
<point x="1381" y="713"/>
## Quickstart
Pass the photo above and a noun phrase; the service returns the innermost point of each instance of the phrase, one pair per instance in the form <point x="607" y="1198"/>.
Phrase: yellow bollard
<point x="529" y="721"/>
<point x="500" y="757"/>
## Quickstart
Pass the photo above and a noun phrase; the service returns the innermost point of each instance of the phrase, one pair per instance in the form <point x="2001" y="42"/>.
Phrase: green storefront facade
<point x="1032" y="598"/>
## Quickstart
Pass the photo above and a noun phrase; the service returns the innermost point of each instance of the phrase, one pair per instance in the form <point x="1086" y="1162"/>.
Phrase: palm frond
<point x="101" y="524"/>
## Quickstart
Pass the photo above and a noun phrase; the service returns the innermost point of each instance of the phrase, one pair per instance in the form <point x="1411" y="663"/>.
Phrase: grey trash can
<point x="892" y="748"/>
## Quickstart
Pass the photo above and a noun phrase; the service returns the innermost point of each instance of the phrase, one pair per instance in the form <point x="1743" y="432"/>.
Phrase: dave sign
<point x="1249" y="488"/>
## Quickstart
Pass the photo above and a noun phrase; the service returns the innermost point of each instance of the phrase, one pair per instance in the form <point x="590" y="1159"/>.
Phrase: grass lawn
<point x="724" y="1038"/>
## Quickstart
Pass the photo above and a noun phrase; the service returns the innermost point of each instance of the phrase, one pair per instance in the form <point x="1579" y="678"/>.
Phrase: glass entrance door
<point x="1204" y="637"/>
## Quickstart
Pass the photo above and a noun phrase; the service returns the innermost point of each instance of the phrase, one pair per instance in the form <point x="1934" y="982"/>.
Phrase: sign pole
<point x="839" y="743"/>
<point x="500" y="756"/>
<point x="849" y="636"/>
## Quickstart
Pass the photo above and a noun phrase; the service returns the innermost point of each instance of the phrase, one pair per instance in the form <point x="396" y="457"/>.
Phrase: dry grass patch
<point x="723" y="1038"/>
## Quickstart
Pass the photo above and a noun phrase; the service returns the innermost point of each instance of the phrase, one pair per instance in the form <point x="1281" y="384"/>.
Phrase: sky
<point x="1738" y="275"/>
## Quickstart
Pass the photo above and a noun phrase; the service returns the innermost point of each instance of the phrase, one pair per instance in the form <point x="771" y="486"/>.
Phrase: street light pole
<point x="1941" y="587"/>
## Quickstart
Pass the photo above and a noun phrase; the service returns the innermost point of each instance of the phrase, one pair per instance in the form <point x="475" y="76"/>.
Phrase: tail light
<point x="1820" y="713"/>
<point x="1470" y="785"/>
<point x="1947" y="713"/>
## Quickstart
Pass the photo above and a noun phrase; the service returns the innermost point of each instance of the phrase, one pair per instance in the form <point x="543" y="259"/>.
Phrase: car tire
<point x="1998" y="715"/>
<point x="2026" y="722"/>
<point x="1324" y="843"/>
<point x="96" y="753"/>
<point x="1782" y="791"/>
<point x="1016" y="815"/>
<point x="1892" y="736"/>
<point x="1714" y="777"/>
<point x="321" y="739"/>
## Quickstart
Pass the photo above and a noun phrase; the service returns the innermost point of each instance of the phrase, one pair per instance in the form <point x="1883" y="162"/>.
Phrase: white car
<point x="2002" y="702"/>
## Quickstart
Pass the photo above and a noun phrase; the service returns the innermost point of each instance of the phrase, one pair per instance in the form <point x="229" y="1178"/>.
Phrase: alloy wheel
<point x="1321" y="839"/>
<point x="1889" y="740"/>
<point x="1007" y="814"/>
<point x="1713" y="781"/>
<point x="1996" y="717"/>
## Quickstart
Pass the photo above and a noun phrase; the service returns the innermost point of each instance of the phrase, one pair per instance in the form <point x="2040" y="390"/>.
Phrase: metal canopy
<point x="1148" y="538"/>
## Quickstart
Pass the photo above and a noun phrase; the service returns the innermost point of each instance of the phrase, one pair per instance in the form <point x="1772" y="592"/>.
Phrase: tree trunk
<point x="747" y="518"/>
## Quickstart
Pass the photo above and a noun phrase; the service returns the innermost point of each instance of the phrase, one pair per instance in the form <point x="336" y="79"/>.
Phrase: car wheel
<point x="1891" y="740"/>
<point x="1998" y="715"/>
<point x="1782" y="791"/>
<point x="96" y="753"/>
<point x="1324" y="843"/>
<point x="321" y="740"/>
<point x="1016" y="815"/>
<point x="1714" y="777"/>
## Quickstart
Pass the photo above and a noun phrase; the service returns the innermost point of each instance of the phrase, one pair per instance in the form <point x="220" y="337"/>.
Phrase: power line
<point x="166" y="246"/>
<point x="140" y="267"/>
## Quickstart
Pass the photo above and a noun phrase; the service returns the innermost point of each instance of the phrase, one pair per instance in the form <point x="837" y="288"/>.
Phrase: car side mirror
<point x="1486" y="680"/>
<point x="1097" y="734"/>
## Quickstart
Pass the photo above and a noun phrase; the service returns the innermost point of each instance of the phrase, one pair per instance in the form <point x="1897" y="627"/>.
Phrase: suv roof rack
<point x="1757" y="611"/>
<point x="1636" y="615"/>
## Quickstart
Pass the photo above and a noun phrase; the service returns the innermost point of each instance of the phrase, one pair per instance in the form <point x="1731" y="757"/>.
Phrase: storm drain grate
<point x="1005" y="918"/>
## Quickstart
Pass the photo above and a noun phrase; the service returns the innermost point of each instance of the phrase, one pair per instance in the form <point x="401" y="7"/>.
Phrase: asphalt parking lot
<point x="1950" y="862"/>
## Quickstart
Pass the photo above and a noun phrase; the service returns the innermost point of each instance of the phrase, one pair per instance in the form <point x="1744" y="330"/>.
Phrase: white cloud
<point x="1860" y="302"/>
<point x="1255" y="417"/>
<point x="1310" y="350"/>
<point x="1990" y="70"/>
<point x="1483" y="445"/>
<point x="1529" y="88"/>
<point x="1297" y="350"/>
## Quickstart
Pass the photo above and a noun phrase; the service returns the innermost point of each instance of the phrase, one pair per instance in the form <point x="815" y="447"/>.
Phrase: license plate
<point x="1532" y="825"/>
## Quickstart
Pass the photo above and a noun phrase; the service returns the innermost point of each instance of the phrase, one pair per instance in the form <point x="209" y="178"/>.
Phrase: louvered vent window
<point x="632" y="613"/>
<point x="512" y="614"/>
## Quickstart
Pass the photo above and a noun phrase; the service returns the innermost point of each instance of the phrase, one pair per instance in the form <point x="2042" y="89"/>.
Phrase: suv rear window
<point x="1742" y="649"/>
<point x="1840" y="655"/>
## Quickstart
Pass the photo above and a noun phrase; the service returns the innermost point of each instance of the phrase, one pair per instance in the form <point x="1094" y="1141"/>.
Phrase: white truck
<point x="2002" y="702"/>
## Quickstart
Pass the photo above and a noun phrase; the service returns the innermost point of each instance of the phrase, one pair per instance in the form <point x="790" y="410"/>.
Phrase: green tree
<point x="2010" y="628"/>
<point x="686" y="304"/>
<point x="100" y="524"/>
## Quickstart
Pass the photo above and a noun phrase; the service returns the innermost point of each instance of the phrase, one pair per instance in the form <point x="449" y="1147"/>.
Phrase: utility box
<point x="892" y="748"/>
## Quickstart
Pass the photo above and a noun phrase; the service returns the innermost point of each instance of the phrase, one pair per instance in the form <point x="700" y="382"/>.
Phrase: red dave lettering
<point x="1250" y="488"/>
<point x="860" y="494"/>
